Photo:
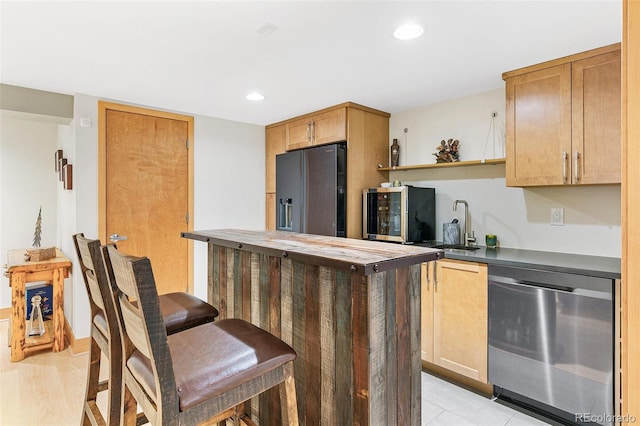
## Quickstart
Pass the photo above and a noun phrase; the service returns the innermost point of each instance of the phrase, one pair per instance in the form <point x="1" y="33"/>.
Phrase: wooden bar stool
<point x="179" y="312"/>
<point x="199" y="374"/>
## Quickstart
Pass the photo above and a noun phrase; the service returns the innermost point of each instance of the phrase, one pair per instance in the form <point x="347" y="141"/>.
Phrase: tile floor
<point x="446" y="404"/>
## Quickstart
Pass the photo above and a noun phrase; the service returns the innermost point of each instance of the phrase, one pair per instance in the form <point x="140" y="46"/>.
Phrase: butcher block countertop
<point x="361" y="256"/>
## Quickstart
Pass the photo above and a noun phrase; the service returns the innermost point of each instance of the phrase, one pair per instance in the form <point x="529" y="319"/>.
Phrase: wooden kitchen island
<point x="350" y="309"/>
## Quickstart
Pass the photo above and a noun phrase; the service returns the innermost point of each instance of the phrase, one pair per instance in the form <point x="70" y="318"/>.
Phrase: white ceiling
<point x="203" y="57"/>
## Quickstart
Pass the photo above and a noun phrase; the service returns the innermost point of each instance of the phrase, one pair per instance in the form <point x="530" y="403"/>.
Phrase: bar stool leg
<point x="288" y="397"/>
<point x="93" y="387"/>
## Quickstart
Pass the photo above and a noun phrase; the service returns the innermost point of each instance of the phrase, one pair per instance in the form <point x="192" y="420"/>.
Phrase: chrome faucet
<point x="469" y="235"/>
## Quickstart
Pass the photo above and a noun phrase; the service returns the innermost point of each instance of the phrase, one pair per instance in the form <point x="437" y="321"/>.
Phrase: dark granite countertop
<point x="594" y="266"/>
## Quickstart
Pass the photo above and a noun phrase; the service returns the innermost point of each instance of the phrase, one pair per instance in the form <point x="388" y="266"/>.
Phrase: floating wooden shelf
<point x="492" y="161"/>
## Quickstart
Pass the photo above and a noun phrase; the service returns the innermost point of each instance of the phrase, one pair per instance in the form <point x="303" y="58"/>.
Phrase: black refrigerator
<point x="311" y="189"/>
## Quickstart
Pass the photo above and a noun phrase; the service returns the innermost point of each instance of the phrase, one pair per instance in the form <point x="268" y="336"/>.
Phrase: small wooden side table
<point x="21" y="272"/>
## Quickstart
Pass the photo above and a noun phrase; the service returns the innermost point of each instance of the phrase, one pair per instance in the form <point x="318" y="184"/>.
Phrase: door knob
<point x="116" y="237"/>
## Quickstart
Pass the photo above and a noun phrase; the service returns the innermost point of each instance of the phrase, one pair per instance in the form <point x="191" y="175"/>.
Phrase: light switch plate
<point x="557" y="216"/>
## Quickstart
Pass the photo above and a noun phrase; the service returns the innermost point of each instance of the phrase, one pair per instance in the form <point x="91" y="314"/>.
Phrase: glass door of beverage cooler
<point x="385" y="213"/>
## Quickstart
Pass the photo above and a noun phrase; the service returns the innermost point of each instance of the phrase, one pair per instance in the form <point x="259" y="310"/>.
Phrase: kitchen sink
<point x="455" y="247"/>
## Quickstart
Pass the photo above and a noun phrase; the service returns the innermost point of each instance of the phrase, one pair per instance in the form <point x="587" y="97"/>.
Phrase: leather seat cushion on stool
<point x="183" y="310"/>
<point x="213" y="358"/>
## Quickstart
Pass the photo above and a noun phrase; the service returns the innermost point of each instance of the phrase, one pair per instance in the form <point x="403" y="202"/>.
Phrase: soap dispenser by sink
<point x="451" y="232"/>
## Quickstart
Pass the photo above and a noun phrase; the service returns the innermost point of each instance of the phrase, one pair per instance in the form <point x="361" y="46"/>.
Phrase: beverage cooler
<point x="404" y="214"/>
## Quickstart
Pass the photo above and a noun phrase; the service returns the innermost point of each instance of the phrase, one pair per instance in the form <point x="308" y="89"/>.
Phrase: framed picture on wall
<point x="61" y="164"/>
<point x="58" y="157"/>
<point x="67" y="176"/>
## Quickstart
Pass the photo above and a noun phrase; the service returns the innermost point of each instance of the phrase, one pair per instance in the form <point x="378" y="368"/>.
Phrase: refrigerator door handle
<point x="285" y="215"/>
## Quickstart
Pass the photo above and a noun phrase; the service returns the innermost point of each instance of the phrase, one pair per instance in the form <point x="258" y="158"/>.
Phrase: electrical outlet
<point x="557" y="216"/>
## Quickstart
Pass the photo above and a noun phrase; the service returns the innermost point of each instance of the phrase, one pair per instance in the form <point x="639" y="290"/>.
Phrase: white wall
<point x="229" y="183"/>
<point x="66" y="203"/>
<point x="519" y="217"/>
<point x="27" y="181"/>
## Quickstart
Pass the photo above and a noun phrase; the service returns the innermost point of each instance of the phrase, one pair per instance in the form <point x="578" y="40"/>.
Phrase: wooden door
<point x="147" y="187"/>
<point x="330" y="126"/>
<point x="298" y="133"/>
<point x="596" y="94"/>
<point x="460" y="318"/>
<point x="427" y="282"/>
<point x="539" y="127"/>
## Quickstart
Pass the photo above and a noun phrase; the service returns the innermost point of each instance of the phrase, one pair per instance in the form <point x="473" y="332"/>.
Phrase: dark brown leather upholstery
<point x="211" y="359"/>
<point x="183" y="310"/>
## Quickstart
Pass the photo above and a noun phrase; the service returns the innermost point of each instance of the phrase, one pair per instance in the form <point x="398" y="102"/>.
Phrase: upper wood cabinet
<point x="454" y="317"/>
<point x="322" y="128"/>
<point x="563" y="120"/>
<point x="596" y="118"/>
<point x="366" y="131"/>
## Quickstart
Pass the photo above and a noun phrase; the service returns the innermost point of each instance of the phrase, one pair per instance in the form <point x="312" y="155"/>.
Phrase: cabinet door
<point x="298" y="134"/>
<point x="460" y="318"/>
<point x="275" y="140"/>
<point x="539" y="127"/>
<point x="426" y="311"/>
<point x="596" y="93"/>
<point x="329" y="127"/>
<point x="270" y="220"/>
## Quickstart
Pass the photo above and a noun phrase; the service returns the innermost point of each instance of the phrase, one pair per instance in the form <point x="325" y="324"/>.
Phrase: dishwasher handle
<point x="524" y="286"/>
<point x="511" y="281"/>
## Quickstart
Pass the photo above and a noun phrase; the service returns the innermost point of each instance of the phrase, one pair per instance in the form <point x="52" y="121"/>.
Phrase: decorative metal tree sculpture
<point x="38" y="232"/>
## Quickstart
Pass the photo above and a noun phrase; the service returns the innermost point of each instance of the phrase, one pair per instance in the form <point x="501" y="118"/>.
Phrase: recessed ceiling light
<point x="408" y="31"/>
<point x="255" y="96"/>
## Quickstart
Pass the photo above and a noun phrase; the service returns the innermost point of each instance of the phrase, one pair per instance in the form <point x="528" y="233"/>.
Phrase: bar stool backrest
<point x="105" y="334"/>
<point x="141" y="322"/>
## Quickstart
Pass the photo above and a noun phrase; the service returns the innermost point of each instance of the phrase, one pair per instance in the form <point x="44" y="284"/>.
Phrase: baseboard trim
<point x="466" y="382"/>
<point x="5" y="313"/>
<point x="76" y="346"/>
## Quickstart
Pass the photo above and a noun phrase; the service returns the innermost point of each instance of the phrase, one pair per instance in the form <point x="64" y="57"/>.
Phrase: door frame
<point x="103" y="106"/>
<point x="630" y="204"/>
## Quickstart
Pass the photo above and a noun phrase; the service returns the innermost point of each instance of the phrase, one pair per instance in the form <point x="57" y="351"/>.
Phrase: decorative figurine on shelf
<point x="447" y="151"/>
<point x="37" y="234"/>
<point x="395" y="153"/>
<point x="36" y="324"/>
<point x="38" y="254"/>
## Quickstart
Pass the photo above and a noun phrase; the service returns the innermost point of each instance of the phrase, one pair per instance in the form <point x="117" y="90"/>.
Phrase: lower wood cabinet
<point x="454" y="317"/>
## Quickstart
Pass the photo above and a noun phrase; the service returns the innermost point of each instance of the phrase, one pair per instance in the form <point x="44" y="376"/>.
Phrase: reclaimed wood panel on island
<point x="350" y="309"/>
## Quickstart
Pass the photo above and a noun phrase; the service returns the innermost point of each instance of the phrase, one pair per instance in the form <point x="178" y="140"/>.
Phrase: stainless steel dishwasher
<point x="551" y="342"/>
